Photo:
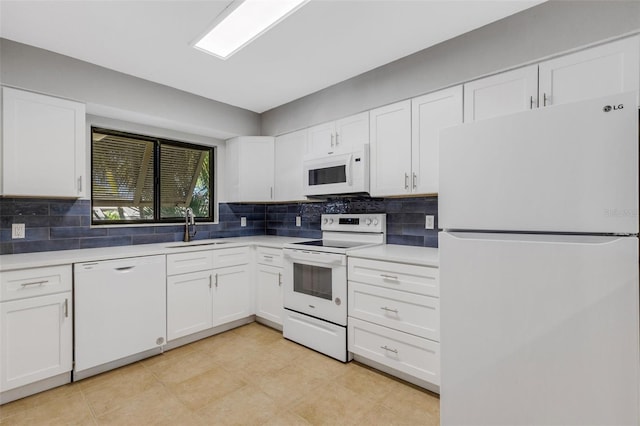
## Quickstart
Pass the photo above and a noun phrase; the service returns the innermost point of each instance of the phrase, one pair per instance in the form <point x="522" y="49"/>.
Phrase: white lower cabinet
<point x="394" y="318"/>
<point x="36" y="326"/>
<point x="269" y="295"/>
<point x="411" y="313"/>
<point x="403" y="352"/>
<point x="189" y="307"/>
<point x="269" y="292"/>
<point x="232" y="295"/>
<point x="218" y="290"/>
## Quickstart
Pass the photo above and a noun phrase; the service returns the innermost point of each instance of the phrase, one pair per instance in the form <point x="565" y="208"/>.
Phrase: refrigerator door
<point x="539" y="330"/>
<point x="565" y="168"/>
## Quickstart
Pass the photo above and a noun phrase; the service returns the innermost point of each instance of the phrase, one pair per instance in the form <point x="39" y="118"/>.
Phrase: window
<point x="139" y="179"/>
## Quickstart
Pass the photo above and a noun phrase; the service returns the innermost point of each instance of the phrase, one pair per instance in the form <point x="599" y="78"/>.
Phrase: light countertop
<point x="66" y="257"/>
<point x="424" y="256"/>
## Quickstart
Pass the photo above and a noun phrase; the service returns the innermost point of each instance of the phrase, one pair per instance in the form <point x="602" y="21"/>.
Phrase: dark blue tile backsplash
<point x="405" y="217"/>
<point x="65" y="224"/>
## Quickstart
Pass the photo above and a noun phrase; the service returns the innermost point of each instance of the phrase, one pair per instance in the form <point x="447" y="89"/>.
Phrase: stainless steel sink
<point x="182" y="245"/>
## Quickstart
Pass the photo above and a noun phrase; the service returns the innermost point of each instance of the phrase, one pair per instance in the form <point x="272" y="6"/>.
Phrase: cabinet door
<point x="604" y="70"/>
<point x="430" y="113"/>
<point x="35" y="337"/>
<point x="290" y="150"/>
<point x="43" y="148"/>
<point x="390" y="130"/>
<point x="269" y="304"/>
<point x="501" y="94"/>
<point x="249" y="169"/>
<point x="189" y="306"/>
<point x="232" y="293"/>
<point x="321" y="139"/>
<point x="352" y="132"/>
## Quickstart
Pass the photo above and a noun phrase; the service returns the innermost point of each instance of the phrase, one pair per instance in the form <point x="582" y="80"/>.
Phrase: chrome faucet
<point x="189" y="219"/>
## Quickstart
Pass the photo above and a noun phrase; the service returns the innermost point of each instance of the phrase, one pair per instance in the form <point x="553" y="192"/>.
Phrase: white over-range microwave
<point x="336" y="174"/>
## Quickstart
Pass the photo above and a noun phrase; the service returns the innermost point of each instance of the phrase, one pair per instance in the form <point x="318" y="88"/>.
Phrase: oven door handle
<point x="317" y="258"/>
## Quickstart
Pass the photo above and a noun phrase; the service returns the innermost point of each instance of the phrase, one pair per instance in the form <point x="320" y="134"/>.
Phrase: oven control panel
<point x="366" y="222"/>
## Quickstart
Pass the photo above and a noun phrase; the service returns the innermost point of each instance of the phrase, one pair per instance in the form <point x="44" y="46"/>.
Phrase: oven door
<point x="315" y="283"/>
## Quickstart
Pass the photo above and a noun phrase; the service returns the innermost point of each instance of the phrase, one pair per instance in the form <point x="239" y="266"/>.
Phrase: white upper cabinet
<point x="352" y="132"/>
<point x="290" y="150"/>
<point x="431" y="113"/>
<point x="404" y="142"/>
<point x="321" y="139"/>
<point x="501" y="94"/>
<point x="339" y="136"/>
<point x="603" y="70"/>
<point x="390" y="145"/>
<point x="599" y="71"/>
<point x="249" y="169"/>
<point x="43" y="145"/>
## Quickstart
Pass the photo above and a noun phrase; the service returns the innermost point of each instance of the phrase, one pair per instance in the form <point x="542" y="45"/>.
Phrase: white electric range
<point x="315" y="281"/>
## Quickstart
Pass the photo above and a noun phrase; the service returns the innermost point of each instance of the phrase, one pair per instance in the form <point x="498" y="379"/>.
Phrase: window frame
<point x="157" y="144"/>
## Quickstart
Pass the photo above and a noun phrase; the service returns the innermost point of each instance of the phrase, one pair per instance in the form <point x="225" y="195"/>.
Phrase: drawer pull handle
<point x="66" y="308"/>
<point x="389" y="277"/>
<point x="386" y="348"/>
<point x="124" y="268"/>
<point x="266" y="257"/>
<point x="34" y="283"/>
<point x="384" y="308"/>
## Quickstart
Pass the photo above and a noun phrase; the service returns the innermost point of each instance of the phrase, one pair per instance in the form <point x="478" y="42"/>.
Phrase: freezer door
<point x="539" y="330"/>
<point x="565" y="168"/>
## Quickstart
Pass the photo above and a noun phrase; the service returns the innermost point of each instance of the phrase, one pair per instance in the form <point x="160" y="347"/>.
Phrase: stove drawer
<point x="404" y="352"/>
<point x="398" y="276"/>
<point x="407" y="312"/>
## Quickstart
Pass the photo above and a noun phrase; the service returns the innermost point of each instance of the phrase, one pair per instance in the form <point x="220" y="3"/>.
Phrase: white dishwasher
<point x="120" y="311"/>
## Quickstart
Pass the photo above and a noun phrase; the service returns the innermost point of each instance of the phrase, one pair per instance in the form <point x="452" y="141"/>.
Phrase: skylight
<point x="247" y="20"/>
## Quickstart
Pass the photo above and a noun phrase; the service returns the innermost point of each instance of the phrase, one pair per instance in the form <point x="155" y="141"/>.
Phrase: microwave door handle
<point x="348" y="169"/>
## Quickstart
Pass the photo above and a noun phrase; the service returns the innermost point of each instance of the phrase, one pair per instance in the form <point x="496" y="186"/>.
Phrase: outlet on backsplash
<point x="17" y="230"/>
<point x="243" y="221"/>
<point x="429" y="222"/>
<point x="298" y="221"/>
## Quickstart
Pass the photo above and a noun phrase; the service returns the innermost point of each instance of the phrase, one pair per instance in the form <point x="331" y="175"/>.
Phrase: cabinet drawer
<point x="270" y="256"/>
<point x="230" y="257"/>
<point x="412" y="278"/>
<point x="181" y="263"/>
<point x="411" y="313"/>
<point x="34" y="282"/>
<point x="410" y="354"/>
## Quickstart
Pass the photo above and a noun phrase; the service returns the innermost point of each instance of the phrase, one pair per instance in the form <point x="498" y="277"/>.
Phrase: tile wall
<point x="405" y="217"/>
<point x="65" y="224"/>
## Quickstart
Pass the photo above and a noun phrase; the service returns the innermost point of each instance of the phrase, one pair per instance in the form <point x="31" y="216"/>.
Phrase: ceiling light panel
<point x="247" y="20"/>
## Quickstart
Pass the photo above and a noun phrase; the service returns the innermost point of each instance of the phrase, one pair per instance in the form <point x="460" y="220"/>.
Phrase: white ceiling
<point x="321" y="44"/>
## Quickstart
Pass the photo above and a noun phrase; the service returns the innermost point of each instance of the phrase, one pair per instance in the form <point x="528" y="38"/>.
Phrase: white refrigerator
<point x="539" y="267"/>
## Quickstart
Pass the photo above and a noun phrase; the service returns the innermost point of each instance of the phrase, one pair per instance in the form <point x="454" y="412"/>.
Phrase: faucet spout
<point x="189" y="219"/>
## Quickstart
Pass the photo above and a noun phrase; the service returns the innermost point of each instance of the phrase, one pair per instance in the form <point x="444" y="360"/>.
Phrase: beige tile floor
<point x="246" y="376"/>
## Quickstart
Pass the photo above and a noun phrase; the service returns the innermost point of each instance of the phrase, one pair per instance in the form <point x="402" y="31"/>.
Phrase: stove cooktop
<point x="332" y="244"/>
